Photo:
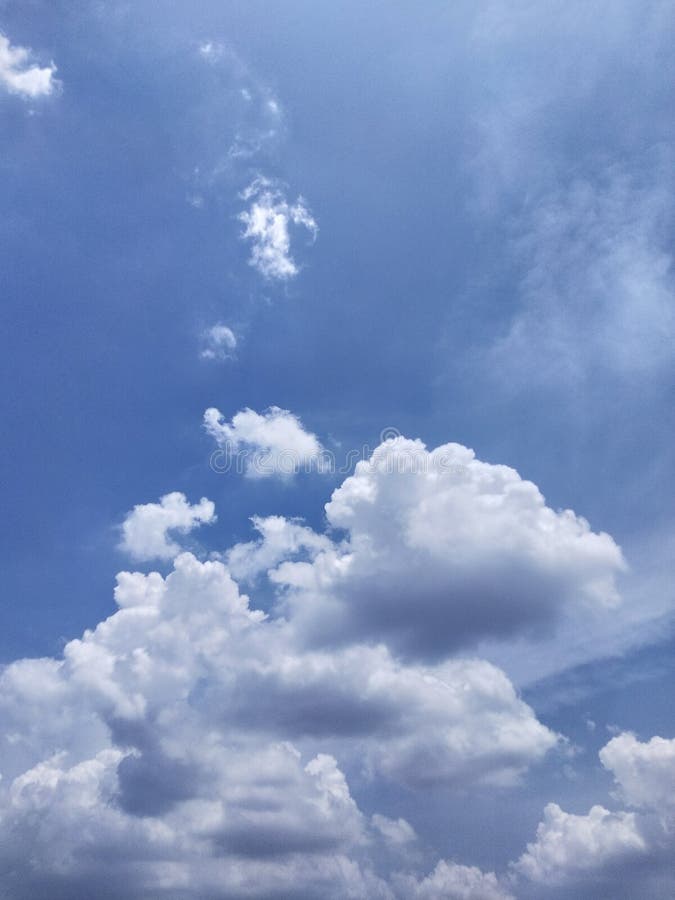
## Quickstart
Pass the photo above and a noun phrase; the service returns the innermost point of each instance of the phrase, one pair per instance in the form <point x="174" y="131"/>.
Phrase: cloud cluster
<point x="19" y="75"/>
<point x="194" y="745"/>
<point x="262" y="445"/>
<point x="187" y="747"/>
<point x="267" y="225"/>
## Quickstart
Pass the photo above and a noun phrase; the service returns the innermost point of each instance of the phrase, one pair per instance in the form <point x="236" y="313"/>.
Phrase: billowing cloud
<point x="454" y="882"/>
<point x="189" y="746"/>
<point x="267" y="225"/>
<point x="441" y="550"/>
<point x="645" y="772"/>
<point x="569" y="847"/>
<point x="20" y="75"/>
<point x="263" y="444"/>
<point x="218" y="342"/>
<point x="147" y="528"/>
<point x="279" y="539"/>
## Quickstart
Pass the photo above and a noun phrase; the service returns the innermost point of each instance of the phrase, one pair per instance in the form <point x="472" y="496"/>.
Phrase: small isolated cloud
<point x="274" y="442"/>
<point x="20" y="75"/>
<point x="267" y="225"/>
<point x="219" y="343"/>
<point x="146" y="529"/>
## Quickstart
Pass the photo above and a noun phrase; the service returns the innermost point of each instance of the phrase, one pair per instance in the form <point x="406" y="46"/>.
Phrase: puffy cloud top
<point x="442" y="550"/>
<point x="145" y="531"/>
<point x="20" y="76"/>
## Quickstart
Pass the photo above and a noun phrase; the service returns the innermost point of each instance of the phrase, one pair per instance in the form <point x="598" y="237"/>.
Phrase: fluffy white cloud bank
<point x="442" y="550"/>
<point x="20" y="75"/>
<point x="188" y="746"/>
<point x="147" y="528"/>
<point x="218" y="342"/>
<point x="272" y="443"/>
<point x="267" y="225"/>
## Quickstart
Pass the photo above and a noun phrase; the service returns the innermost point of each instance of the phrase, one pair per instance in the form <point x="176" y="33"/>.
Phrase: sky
<point x="337" y="391"/>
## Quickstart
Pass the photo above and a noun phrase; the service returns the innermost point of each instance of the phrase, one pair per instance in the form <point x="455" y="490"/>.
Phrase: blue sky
<point x="450" y="222"/>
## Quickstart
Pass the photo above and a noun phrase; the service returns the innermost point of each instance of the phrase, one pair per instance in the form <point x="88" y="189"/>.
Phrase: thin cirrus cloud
<point x="598" y="290"/>
<point x="218" y="343"/>
<point x="268" y="223"/>
<point x="20" y="75"/>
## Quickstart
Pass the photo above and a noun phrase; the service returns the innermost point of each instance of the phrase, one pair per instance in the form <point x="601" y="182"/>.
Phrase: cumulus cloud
<point x="146" y="529"/>
<point x="568" y="846"/>
<point x="454" y="882"/>
<point x="188" y="746"/>
<point x="618" y="854"/>
<point x="274" y="442"/>
<point x="442" y="550"/>
<point x="20" y="75"/>
<point x="267" y="225"/>
<point x="219" y="342"/>
<point x="645" y="772"/>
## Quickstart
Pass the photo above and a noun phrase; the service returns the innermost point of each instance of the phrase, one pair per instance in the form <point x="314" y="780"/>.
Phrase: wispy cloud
<point x="598" y="289"/>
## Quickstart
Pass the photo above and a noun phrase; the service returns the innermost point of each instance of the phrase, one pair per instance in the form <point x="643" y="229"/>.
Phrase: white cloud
<point x="19" y="75"/>
<point x="187" y="746"/>
<point x="267" y="223"/>
<point x="443" y="550"/>
<point x="280" y="539"/>
<point x="146" y="529"/>
<point x="219" y="342"/>
<point x="397" y="832"/>
<point x="645" y="773"/>
<point x="569" y="846"/>
<point x="264" y="444"/>
<point x="618" y="854"/>
<point x="450" y="881"/>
